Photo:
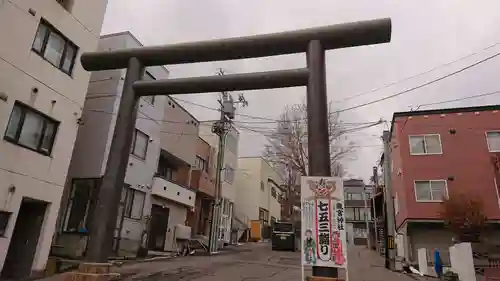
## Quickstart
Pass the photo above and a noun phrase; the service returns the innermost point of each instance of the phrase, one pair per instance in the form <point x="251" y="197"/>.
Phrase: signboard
<point x="390" y="242"/>
<point x="323" y="222"/>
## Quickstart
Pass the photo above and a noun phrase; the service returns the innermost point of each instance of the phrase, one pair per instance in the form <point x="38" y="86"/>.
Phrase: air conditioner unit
<point x="182" y="232"/>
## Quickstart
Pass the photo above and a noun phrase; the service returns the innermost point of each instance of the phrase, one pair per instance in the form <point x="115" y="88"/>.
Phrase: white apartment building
<point x="257" y="193"/>
<point x="42" y="92"/>
<point x="152" y="202"/>
<point x="230" y="165"/>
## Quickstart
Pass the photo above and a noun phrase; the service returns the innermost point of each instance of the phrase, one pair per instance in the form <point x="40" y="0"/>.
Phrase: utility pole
<point x="367" y="222"/>
<point x="221" y="128"/>
<point x="389" y="204"/>
<point x="375" y="189"/>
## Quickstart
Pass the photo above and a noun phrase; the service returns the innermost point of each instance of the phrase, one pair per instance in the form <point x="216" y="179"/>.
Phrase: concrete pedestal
<point x="93" y="272"/>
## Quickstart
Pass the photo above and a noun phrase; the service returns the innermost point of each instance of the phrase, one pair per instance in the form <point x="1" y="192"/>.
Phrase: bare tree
<point x="464" y="215"/>
<point x="287" y="150"/>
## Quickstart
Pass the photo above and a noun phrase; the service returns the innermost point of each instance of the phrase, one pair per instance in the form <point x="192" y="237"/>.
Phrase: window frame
<point x="488" y="141"/>
<point x="229" y="170"/>
<point x="134" y="143"/>
<point x="430" y="181"/>
<point x="350" y="196"/>
<point x="46" y="119"/>
<point x="200" y="161"/>
<point x="67" y="42"/>
<point x="89" y="207"/>
<point x="425" y="143"/>
<point x="130" y="199"/>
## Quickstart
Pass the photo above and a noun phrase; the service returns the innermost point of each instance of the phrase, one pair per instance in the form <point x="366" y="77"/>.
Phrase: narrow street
<point x="254" y="261"/>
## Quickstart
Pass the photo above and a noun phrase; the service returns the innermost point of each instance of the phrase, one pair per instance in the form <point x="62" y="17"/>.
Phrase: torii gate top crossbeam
<point x="290" y="42"/>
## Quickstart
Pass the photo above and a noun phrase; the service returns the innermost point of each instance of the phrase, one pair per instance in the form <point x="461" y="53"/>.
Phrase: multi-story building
<point x="434" y="152"/>
<point x="42" y="91"/>
<point x="156" y="196"/>
<point x="359" y="222"/>
<point x="230" y="165"/>
<point x="203" y="181"/>
<point x="257" y="193"/>
<point x="173" y="197"/>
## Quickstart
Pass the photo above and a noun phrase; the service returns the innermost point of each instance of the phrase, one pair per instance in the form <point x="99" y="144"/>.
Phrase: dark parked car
<point x="283" y="237"/>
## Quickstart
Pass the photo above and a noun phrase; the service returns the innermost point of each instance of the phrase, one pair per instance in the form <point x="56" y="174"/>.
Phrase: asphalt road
<point x="246" y="262"/>
<point x="255" y="261"/>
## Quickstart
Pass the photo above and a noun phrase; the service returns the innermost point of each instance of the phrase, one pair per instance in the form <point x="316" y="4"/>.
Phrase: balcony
<point x="201" y="181"/>
<point x="172" y="191"/>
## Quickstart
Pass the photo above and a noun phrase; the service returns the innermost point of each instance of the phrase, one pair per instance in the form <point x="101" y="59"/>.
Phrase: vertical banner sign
<point x="323" y="222"/>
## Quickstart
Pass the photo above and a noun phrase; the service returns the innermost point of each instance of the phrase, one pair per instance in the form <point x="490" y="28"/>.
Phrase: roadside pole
<point x="375" y="225"/>
<point x="389" y="204"/>
<point x="367" y="221"/>
<point x="220" y="128"/>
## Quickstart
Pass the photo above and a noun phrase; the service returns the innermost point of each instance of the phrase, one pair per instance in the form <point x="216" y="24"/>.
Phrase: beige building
<point x="257" y="192"/>
<point x="42" y="91"/>
<point x="156" y="195"/>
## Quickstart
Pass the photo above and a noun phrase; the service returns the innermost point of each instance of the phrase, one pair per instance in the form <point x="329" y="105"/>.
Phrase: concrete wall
<point x="180" y="133"/>
<point x="248" y="192"/>
<point x="268" y="172"/>
<point x="249" y="196"/>
<point x="59" y="96"/>
<point x="96" y="133"/>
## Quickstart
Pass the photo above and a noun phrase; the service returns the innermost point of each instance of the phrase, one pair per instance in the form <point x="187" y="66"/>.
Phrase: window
<point x="31" y="129"/>
<point x="134" y="204"/>
<point x="149" y="99"/>
<point x="354" y="196"/>
<point x="229" y="174"/>
<point x="4" y="222"/>
<point x="140" y="144"/>
<point x="358" y="214"/>
<point x="264" y="216"/>
<point x="201" y="164"/>
<point x="79" y="205"/>
<point x="433" y="190"/>
<point x="54" y="47"/>
<point x="425" y="144"/>
<point x="493" y="140"/>
<point x="273" y="220"/>
<point x="273" y="192"/>
<point x="262" y="185"/>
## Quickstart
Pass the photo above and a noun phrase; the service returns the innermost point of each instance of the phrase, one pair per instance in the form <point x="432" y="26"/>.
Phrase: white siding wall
<point x="59" y="96"/>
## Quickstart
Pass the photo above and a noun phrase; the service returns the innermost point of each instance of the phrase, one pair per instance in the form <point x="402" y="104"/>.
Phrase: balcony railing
<point x="172" y="191"/>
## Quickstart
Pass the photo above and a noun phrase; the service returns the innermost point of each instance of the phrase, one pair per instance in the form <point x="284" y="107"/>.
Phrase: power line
<point x="273" y="121"/>
<point x="461" y="99"/>
<point x="419" y="86"/>
<point x="416" y="75"/>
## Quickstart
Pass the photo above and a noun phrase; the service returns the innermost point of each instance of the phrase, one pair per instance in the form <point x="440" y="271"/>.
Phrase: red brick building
<point x="433" y="152"/>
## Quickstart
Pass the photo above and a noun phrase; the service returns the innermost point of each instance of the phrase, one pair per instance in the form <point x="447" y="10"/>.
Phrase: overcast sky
<point x="426" y="34"/>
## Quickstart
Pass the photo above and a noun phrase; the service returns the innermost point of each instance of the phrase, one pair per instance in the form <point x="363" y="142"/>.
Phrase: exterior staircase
<point x="240" y="225"/>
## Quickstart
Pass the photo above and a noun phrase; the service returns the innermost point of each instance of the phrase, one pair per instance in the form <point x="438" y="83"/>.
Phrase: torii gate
<point x="313" y="41"/>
